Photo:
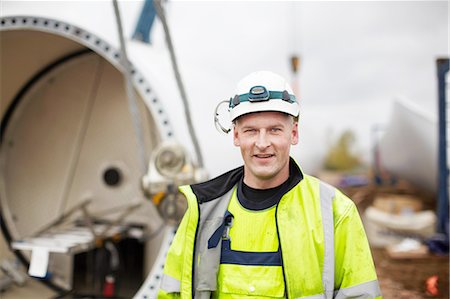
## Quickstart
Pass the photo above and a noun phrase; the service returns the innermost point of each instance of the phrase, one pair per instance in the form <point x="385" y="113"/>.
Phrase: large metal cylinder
<point x="66" y="130"/>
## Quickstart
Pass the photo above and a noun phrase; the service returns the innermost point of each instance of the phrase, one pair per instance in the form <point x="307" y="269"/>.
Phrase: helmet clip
<point x="217" y="123"/>
<point x="286" y="96"/>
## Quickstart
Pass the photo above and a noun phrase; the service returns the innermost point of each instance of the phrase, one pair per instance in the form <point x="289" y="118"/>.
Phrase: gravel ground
<point x="406" y="278"/>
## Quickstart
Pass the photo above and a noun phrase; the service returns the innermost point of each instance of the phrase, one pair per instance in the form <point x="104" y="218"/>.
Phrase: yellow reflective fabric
<point x="179" y="257"/>
<point x="189" y="241"/>
<point x="300" y="229"/>
<point x="303" y="255"/>
<point x="354" y="264"/>
<point x="252" y="231"/>
<point x="302" y="242"/>
<point x="164" y="295"/>
<point x="236" y="282"/>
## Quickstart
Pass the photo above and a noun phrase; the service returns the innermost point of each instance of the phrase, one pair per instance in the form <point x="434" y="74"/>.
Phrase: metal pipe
<point x="442" y="205"/>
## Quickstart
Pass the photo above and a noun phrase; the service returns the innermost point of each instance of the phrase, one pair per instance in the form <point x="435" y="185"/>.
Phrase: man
<point x="267" y="230"/>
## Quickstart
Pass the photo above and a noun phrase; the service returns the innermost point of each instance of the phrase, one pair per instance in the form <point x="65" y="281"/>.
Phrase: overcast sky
<point x="351" y="51"/>
<point x="356" y="57"/>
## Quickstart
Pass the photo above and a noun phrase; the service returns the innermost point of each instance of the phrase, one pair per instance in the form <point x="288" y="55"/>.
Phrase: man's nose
<point x="263" y="140"/>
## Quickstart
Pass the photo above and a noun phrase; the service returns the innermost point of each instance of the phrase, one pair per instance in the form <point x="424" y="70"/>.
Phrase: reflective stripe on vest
<point x="326" y="202"/>
<point x="365" y="290"/>
<point x="369" y="289"/>
<point x="320" y="296"/>
<point x="170" y="284"/>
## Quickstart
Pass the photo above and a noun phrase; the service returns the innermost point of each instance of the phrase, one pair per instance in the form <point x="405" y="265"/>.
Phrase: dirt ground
<point x="406" y="278"/>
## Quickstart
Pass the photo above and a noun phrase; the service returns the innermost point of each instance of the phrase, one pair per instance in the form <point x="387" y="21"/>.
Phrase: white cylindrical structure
<point x="66" y="131"/>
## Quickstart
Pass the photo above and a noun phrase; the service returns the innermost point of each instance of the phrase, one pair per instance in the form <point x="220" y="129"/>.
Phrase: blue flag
<point x="145" y="22"/>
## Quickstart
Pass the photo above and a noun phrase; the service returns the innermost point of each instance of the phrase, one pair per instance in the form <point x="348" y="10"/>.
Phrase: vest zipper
<point x="193" y="252"/>
<point x="281" y="253"/>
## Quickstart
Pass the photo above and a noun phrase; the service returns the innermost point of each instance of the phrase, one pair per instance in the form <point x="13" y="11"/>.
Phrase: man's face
<point x="265" y="139"/>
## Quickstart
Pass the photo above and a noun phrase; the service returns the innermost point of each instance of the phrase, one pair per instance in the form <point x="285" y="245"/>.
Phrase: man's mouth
<point x="263" y="156"/>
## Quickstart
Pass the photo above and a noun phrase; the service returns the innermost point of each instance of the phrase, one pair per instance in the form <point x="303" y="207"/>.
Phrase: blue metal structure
<point x="443" y="195"/>
<point x="145" y="22"/>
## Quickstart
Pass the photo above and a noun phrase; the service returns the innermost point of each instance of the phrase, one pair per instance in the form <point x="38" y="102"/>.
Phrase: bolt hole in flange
<point x="112" y="176"/>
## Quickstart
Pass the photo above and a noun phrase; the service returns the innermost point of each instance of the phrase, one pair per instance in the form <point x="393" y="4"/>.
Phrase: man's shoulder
<point x="314" y="182"/>
<point x="341" y="203"/>
<point x="218" y="186"/>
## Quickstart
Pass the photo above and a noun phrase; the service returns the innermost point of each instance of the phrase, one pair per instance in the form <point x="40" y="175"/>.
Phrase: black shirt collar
<point x="261" y="199"/>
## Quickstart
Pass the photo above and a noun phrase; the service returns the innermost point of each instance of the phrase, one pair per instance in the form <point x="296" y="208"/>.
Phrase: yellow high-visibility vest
<point x="324" y="250"/>
<point x="252" y="243"/>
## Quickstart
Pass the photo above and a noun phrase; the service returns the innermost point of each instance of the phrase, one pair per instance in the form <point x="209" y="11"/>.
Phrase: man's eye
<point x="275" y="129"/>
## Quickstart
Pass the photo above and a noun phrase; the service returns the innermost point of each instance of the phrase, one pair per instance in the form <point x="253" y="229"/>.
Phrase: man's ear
<point x="236" y="137"/>
<point x="294" y="133"/>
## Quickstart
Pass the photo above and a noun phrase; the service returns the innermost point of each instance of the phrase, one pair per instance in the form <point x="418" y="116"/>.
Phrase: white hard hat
<point x="263" y="91"/>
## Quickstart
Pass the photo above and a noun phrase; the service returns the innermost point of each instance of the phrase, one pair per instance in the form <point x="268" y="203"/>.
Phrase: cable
<point x="162" y="17"/>
<point x="131" y="96"/>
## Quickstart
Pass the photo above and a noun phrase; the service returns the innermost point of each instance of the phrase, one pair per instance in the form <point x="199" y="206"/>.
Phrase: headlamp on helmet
<point x="261" y="94"/>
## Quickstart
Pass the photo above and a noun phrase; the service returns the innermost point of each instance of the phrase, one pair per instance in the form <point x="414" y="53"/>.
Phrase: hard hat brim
<point x="271" y="105"/>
